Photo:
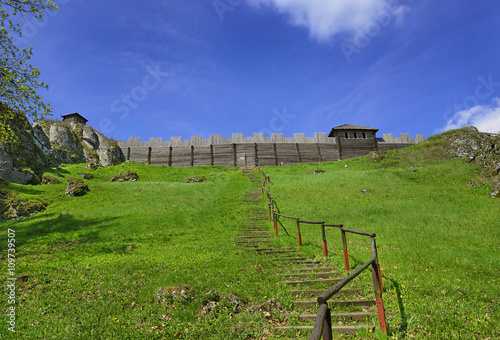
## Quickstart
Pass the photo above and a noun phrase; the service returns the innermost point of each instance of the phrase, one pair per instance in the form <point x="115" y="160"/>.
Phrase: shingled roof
<point x="350" y="127"/>
<point x="75" y="114"/>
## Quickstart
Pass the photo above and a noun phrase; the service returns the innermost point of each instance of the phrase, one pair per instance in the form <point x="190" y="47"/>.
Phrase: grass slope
<point x="96" y="262"/>
<point x="437" y="236"/>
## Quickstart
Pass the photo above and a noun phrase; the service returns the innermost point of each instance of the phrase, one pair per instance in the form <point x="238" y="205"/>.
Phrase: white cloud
<point x="325" y="18"/>
<point x="485" y="118"/>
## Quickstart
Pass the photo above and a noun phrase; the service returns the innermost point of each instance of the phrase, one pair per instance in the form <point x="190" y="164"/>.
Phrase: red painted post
<point x="276" y="224"/>
<point x="375" y="251"/>
<point x="325" y="248"/>
<point x="299" y="236"/>
<point x="381" y="315"/>
<point x="259" y="171"/>
<point x="346" y="255"/>
<point x="270" y="212"/>
<point x="380" y="276"/>
<point x="377" y="287"/>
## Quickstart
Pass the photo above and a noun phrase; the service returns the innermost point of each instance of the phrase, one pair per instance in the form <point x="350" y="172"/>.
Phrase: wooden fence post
<point x="346" y="255"/>
<point x="299" y="236"/>
<point x="275" y="223"/>
<point x="192" y="155"/>
<point x="211" y="155"/>
<point x="327" y="327"/>
<point x="325" y="248"/>
<point x="377" y="287"/>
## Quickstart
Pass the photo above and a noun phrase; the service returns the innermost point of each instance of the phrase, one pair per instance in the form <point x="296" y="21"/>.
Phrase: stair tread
<point x="318" y="292"/>
<point x="309" y="282"/>
<point x="337" y="329"/>
<point x="318" y="275"/>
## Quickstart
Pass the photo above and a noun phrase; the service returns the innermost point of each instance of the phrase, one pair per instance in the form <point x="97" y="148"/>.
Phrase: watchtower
<point x="74" y="117"/>
<point x="354" y="140"/>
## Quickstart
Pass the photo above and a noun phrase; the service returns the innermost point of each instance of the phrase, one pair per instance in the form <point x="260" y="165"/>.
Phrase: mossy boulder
<point x="49" y="179"/>
<point x="76" y="187"/>
<point x="85" y="175"/>
<point x="126" y="175"/>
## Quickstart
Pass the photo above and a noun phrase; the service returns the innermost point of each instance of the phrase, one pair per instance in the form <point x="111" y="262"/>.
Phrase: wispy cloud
<point x="485" y="118"/>
<point x="326" y="18"/>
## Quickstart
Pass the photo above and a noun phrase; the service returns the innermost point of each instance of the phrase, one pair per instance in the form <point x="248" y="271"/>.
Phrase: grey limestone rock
<point x="50" y="143"/>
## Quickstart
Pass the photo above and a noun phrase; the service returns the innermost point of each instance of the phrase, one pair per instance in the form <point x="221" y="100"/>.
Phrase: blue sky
<point x="200" y="67"/>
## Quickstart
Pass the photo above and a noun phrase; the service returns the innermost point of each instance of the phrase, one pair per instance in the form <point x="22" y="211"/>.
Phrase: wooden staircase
<point x="352" y="310"/>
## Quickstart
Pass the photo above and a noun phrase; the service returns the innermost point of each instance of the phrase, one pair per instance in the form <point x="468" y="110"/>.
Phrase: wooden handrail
<point x="323" y="318"/>
<point x="352" y="231"/>
<point x="323" y="298"/>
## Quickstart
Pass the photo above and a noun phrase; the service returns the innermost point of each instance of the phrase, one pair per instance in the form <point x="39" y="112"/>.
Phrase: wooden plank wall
<point x="267" y="154"/>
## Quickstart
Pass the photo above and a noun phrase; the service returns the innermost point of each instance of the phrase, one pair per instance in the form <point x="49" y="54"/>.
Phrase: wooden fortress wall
<point x="249" y="151"/>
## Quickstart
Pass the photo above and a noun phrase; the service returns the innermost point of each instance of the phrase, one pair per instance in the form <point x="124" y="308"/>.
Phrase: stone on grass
<point x="169" y="296"/>
<point x="195" y="180"/>
<point x="271" y="305"/>
<point x="126" y="175"/>
<point x="49" y="179"/>
<point x="76" y="187"/>
<point x="85" y="175"/>
<point x="91" y="166"/>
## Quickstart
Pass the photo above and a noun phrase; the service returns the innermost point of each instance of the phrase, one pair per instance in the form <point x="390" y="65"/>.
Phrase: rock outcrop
<point x="76" y="187"/>
<point x="50" y="143"/>
<point x="477" y="147"/>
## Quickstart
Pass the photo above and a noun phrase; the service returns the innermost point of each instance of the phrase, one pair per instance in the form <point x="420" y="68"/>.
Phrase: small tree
<point x="18" y="79"/>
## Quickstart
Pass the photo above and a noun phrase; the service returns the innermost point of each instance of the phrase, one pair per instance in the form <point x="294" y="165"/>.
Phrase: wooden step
<point x="254" y="237"/>
<point x="305" y="276"/>
<point x="337" y="329"/>
<point x="312" y="282"/>
<point x="278" y="252"/>
<point x="316" y="292"/>
<point x="254" y="233"/>
<point x="317" y="269"/>
<point x="355" y="316"/>
<point x="300" y="262"/>
<point x="343" y="303"/>
<point x="257" y="243"/>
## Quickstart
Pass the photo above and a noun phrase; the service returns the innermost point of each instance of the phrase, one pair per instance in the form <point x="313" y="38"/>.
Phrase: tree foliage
<point x="18" y="79"/>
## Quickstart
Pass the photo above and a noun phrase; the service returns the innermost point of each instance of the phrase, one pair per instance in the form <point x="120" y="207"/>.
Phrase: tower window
<point x="355" y="135"/>
<point x="364" y="135"/>
<point x="347" y="135"/>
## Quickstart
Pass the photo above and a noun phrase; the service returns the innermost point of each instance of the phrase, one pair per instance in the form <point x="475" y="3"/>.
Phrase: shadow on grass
<point x="404" y="320"/>
<point x="278" y="210"/>
<point x="60" y="224"/>
<point x="57" y="171"/>
<point x="23" y="189"/>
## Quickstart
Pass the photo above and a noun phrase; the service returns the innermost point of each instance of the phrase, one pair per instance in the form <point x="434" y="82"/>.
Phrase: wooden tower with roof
<point x="354" y="140"/>
<point x="74" y="117"/>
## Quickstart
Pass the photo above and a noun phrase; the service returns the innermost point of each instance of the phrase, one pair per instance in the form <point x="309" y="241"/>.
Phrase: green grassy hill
<point x="94" y="264"/>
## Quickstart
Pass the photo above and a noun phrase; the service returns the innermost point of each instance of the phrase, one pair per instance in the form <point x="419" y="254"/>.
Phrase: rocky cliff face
<point x="480" y="148"/>
<point x="49" y="143"/>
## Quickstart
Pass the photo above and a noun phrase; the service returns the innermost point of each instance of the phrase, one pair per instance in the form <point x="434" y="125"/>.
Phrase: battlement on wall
<point x="403" y="139"/>
<point x="238" y="138"/>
